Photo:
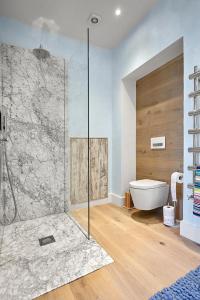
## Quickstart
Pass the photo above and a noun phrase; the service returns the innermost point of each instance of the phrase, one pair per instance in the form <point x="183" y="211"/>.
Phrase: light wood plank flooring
<point x="147" y="257"/>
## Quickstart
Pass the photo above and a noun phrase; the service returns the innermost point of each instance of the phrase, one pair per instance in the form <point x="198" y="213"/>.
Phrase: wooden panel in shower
<point x="79" y="169"/>
<point x="99" y="168"/>
<point x="160" y="113"/>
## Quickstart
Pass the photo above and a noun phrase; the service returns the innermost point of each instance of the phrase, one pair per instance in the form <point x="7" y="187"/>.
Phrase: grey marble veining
<point x="1" y="235"/>
<point x="28" y="270"/>
<point x="34" y="94"/>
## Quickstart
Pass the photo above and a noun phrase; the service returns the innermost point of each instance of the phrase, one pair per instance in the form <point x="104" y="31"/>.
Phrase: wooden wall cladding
<point x="159" y="108"/>
<point x="79" y="169"/>
<point x="99" y="168"/>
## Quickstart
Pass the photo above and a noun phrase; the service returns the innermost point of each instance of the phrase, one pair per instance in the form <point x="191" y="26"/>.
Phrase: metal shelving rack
<point x="195" y="131"/>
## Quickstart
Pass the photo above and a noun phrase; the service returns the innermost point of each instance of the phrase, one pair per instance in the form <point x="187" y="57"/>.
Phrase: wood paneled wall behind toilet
<point x="159" y="109"/>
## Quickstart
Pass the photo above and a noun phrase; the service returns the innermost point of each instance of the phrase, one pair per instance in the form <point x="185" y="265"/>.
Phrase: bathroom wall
<point x="168" y="21"/>
<point x="34" y="93"/>
<point x="75" y="52"/>
<point x="159" y="112"/>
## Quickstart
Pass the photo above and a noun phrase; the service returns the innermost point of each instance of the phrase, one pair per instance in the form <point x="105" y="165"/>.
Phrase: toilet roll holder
<point x="169" y="212"/>
<point x="176" y="177"/>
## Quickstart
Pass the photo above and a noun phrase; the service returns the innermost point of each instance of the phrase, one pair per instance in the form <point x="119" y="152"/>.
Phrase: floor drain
<point x="47" y="240"/>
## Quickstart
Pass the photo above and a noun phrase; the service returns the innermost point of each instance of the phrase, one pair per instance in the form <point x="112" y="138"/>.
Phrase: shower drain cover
<point x="47" y="240"/>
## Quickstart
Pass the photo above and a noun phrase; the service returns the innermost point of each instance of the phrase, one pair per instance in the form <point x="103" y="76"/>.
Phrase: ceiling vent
<point x="94" y="19"/>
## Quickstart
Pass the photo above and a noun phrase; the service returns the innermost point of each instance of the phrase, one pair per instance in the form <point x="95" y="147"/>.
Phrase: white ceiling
<point x="71" y="16"/>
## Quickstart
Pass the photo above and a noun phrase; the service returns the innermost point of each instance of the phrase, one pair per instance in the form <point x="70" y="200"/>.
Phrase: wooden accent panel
<point x="79" y="169"/>
<point x="160" y="113"/>
<point x="146" y="258"/>
<point x="99" y="168"/>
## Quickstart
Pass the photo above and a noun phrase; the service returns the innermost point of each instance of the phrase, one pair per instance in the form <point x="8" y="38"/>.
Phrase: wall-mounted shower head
<point x="41" y="53"/>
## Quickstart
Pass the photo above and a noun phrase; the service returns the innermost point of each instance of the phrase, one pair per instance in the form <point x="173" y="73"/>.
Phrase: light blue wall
<point x="75" y="52"/>
<point x="167" y="22"/>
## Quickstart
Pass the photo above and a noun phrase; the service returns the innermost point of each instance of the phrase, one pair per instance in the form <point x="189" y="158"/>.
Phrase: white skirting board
<point x="112" y="198"/>
<point x="190" y="231"/>
<point x="92" y="203"/>
<point x="116" y="199"/>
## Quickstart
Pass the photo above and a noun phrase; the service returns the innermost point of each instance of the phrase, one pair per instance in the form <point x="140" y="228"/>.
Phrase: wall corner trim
<point x="116" y="199"/>
<point x="190" y="231"/>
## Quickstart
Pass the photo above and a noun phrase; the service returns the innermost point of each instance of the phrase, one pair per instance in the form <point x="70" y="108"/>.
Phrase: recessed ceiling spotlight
<point x="118" y="12"/>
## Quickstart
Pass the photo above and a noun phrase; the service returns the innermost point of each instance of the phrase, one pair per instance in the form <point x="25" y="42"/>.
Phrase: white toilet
<point x="148" y="194"/>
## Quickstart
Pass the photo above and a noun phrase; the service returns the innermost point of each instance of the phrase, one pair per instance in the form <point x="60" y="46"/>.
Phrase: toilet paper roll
<point x="176" y="177"/>
<point x="169" y="215"/>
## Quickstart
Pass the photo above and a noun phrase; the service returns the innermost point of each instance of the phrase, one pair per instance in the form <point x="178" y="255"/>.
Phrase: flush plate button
<point x="158" y="142"/>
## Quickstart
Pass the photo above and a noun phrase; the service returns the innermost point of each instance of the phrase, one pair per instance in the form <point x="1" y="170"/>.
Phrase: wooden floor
<point x="147" y="257"/>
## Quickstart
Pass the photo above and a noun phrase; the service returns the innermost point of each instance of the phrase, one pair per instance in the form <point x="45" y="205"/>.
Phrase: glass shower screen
<point x="79" y="132"/>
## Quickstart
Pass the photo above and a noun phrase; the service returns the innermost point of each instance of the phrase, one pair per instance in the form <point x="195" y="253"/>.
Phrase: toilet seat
<point x="145" y="184"/>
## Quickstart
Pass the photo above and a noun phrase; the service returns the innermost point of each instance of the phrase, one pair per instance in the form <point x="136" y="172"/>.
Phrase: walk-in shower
<point x="5" y="177"/>
<point x="45" y="171"/>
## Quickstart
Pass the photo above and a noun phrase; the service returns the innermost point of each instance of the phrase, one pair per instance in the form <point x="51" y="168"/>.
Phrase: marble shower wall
<point x="1" y="235"/>
<point x="34" y="93"/>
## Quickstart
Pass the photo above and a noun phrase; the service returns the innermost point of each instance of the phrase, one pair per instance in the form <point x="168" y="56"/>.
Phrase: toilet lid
<point x="147" y="184"/>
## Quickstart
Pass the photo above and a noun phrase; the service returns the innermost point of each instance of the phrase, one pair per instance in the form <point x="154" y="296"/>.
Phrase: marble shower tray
<point x="28" y="270"/>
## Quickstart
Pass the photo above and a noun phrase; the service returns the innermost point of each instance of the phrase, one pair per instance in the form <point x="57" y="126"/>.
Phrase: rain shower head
<point x="41" y="53"/>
